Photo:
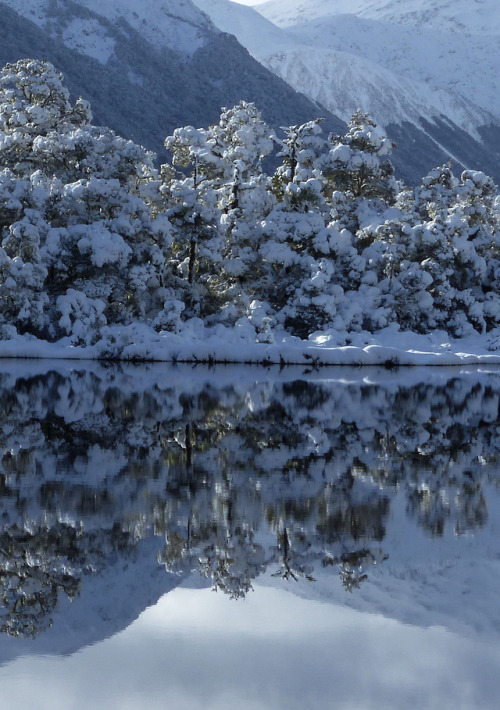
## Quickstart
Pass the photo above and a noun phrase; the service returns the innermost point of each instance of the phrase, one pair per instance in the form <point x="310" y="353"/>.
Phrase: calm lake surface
<point x="192" y="538"/>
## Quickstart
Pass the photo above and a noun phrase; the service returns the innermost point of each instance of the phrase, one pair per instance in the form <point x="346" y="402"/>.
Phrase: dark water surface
<point x="348" y="519"/>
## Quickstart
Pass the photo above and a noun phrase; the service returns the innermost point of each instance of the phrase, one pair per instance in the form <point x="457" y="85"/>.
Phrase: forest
<point x="303" y="235"/>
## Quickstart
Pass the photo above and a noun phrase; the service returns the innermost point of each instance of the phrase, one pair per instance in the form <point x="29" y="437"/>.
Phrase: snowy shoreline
<point x="220" y="345"/>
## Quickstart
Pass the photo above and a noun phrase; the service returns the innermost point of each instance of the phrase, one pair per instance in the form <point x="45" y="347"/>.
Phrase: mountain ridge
<point x="461" y="16"/>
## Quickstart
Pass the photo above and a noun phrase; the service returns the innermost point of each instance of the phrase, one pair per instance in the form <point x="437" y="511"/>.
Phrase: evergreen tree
<point x="297" y="283"/>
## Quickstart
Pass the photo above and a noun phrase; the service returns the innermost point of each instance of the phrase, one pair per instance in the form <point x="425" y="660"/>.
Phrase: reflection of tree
<point x="352" y="566"/>
<point x="218" y="541"/>
<point x="350" y="511"/>
<point x="292" y="551"/>
<point x="293" y="476"/>
<point x="41" y="562"/>
<point x="232" y="563"/>
<point x="35" y="568"/>
<point x="434" y="507"/>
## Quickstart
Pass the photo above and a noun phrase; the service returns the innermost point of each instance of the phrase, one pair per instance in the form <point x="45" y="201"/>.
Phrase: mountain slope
<point x="416" y="82"/>
<point x="148" y="67"/>
<point x="462" y="64"/>
<point x="451" y="45"/>
<point x="176" y="24"/>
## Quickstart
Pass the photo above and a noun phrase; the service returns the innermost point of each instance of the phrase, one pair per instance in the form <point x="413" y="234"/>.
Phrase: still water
<point x="247" y="538"/>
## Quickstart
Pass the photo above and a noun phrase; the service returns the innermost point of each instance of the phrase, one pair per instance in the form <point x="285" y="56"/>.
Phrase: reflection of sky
<point x="199" y="650"/>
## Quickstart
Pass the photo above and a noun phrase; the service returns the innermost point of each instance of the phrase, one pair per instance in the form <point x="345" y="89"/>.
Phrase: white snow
<point x="176" y="24"/>
<point x="199" y="343"/>
<point x="34" y="10"/>
<point x="88" y="36"/>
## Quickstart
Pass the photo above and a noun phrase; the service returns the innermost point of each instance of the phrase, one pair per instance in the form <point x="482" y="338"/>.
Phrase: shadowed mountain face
<point x="143" y="91"/>
<point x="436" y="141"/>
<point x="116" y="483"/>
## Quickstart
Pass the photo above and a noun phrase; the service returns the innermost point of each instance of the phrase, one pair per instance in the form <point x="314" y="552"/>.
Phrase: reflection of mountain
<point x="109" y="600"/>
<point x="108" y="471"/>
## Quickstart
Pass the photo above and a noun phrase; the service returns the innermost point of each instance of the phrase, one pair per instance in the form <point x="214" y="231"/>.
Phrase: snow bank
<point x="199" y="343"/>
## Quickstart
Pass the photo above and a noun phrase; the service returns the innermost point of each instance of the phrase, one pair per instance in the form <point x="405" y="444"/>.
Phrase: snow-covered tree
<point x="298" y="178"/>
<point x="296" y="283"/>
<point x="360" y="181"/>
<point x="217" y="208"/>
<point x="358" y="164"/>
<point x="92" y="237"/>
<point x="453" y="253"/>
<point x="81" y="246"/>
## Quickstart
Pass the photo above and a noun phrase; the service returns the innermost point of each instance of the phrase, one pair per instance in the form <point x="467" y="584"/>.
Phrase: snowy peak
<point x="462" y="16"/>
<point x="258" y="33"/>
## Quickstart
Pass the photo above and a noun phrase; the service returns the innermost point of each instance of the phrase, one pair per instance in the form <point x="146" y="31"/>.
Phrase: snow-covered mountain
<point x="426" y="71"/>
<point x="480" y="17"/>
<point x="147" y="66"/>
<point x="176" y="24"/>
<point x="429" y="47"/>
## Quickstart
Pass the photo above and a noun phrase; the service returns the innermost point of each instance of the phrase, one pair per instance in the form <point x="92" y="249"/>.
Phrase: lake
<point x="236" y="537"/>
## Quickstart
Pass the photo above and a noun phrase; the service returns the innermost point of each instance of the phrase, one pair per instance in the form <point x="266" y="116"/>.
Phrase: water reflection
<point x="231" y="475"/>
